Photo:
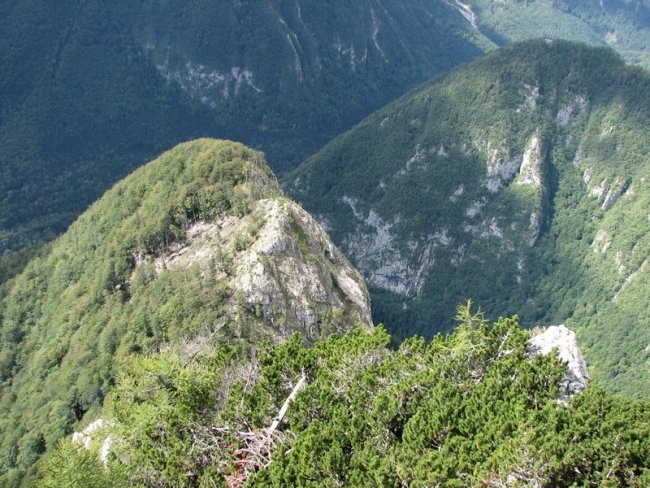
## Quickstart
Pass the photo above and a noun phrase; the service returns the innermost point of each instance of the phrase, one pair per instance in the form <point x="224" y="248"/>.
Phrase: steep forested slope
<point x="522" y="181"/>
<point x="197" y="247"/>
<point x="90" y="89"/>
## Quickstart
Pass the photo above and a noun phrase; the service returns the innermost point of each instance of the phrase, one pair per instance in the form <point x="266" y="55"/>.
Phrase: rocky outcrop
<point x="559" y="338"/>
<point x="280" y="269"/>
<point x="295" y="278"/>
<point x="94" y="433"/>
<point x="530" y="172"/>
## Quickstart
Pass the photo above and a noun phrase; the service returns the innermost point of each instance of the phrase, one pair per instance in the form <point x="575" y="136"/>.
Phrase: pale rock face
<point x="457" y="193"/>
<point x="489" y="228"/>
<point x="500" y="168"/>
<point x="466" y="11"/>
<point x="607" y="191"/>
<point x="530" y="171"/>
<point x="475" y="208"/>
<point x="93" y="433"/>
<point x="530" y="103"/>
<point x="282" y="271"/>
<point x="558" y="336"/>
<point x="294" y="274"/>
<point x="377" y="254"/>
<point x="614" y="193"/>
<point x="208" y="85"/>
<point x="414" y="162"/>
<point x="567" y="113"/>
<point x="534" y="228"/>
<point x="602" y="242"/>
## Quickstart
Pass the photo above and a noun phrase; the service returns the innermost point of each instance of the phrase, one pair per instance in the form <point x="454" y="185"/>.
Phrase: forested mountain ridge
<point x="90" y="90"/>
<point x="521" y="181"/>
<point x="621" y="24"/>
<point x="149" y="312"/>
<point x="197" y="247"/>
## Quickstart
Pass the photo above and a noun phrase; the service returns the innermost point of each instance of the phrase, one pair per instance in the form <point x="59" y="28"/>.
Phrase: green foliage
<point x="467" y="409"/>
<point x="407" y="196"/>
<point x="620" y="24"/>
<point x="13" y="262"/>
<point x="163" y="407"/>
<point x="74" y="467"/>
<point x="98" y="296"/>
<point x="85" y="99"/>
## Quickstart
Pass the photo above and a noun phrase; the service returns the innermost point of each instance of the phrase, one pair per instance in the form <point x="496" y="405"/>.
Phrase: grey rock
<point x="559" y="338"/>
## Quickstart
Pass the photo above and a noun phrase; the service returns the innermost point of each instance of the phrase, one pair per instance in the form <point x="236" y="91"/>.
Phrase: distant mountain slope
<point x="90" y="90"/>
<point x="521" y="181"/>
<point x="196" y="248"/>
<point x="622" y="24"/>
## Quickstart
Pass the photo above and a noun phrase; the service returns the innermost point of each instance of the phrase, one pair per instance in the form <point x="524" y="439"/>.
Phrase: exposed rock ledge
<point x="558" y="336"/>
<point x="278" y="267"/>
<point x="293" y="271"/>
<point x="94" y="433"/>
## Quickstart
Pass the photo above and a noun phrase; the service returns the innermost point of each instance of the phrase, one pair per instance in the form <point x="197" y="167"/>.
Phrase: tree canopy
<point x="469" y="409"/>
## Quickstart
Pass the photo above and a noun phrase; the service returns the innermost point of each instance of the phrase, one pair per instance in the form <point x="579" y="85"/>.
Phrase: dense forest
<point x="472" y="408"/>
<point x="91" y="90"/>
<point x="621" y="24"/>
<point x="519" y="180"/>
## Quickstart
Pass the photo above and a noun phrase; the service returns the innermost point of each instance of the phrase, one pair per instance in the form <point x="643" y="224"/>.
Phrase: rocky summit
<point x="565" y="344"/>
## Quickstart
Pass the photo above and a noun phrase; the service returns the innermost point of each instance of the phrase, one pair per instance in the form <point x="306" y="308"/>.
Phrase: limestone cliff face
<point x="563" y="340"/>
<point x="295" y="278"/>
<point x="282" y="272"/>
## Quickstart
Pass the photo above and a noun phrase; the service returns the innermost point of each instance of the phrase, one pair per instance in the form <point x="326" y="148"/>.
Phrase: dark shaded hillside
<point x="81" y="107"/>
<point x="90" y="90"/>
<point x="521" y="181"/>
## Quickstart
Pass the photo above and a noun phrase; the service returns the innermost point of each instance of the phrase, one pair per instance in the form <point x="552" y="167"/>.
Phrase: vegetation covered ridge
<point x="520" y="180"/>
<point x="473" y="408"/>
<point x="198" y="246"/>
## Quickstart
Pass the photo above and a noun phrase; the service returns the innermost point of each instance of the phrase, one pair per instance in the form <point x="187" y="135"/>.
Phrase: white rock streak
<point x="209" y="86"/>
<point x="465" y="10"/>
<point x="90" y="434"/>
<point x="376" y="23"/>
<point x="530" y="172"/>
<point x="564" y="340"/>
<point x="375" y="251"/>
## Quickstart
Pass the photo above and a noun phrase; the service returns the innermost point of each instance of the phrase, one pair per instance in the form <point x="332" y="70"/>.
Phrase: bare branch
<point x="285" y="405"/>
